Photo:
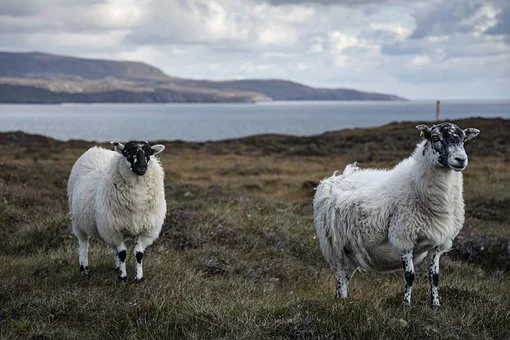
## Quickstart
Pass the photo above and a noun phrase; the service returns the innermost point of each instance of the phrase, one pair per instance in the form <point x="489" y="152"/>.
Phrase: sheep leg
<point x="139" y="251"/>
<point x="84" y="255"/>
<point x="343" y="275"/>
<point x="121" y="251"/>
<point x="434" y="278"/>
<point x="83" y="252"/>
<point x="407" y="262"/>
<point x="142" y="242"/>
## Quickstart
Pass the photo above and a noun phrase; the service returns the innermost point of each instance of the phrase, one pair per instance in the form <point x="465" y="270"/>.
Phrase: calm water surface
<point x="202" y="122"/>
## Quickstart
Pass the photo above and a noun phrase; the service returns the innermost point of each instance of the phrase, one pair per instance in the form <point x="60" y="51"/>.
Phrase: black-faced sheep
<point x="116" y="193"/>
<point x="385" y="219"/>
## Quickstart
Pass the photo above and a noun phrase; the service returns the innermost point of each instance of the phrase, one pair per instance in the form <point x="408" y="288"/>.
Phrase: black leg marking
<point x="122" y="255"/>
<point x="434" y="284"/>
<point x="434" y="279"/>
<point x="407" y="263"/>
<point x="122" y="260"/>
<point x="409" y="277"/>
<point x="139" y="270"/>
<point x="341" y="289"/>
<point x="342" y="282"/>
<point x="338" y="288"/>
<point x="139" y="256"/>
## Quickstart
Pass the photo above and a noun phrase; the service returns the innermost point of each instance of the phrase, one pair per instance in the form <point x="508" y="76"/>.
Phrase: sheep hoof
<point x="436" y="306"/>
<point x="84" y="271"/>
<point x="406" y="304"/>
<point x="123" y="280"/>
<point x="139" y="280"/>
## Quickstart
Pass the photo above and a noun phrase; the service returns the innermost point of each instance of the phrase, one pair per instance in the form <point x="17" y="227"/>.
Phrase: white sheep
<point x="383" y="219"/>
<point x="117" y="193"/>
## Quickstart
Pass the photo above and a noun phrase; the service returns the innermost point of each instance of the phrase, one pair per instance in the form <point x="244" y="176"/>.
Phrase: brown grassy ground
<point x="237" y="256"/>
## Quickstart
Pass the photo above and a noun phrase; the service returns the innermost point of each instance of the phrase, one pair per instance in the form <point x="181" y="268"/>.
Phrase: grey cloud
<point x="459" y="72"/>
<point x="169" y="23"/>
<point x="331" y="2"/>
<point x="502" y="27"/>
<point x="18" y="26"/>
<point x="28" y="8"/>
<point x="456" y="46"/>
<point x="224" y="28"/>
<point x="403" y="48"/>
<point x="53" y="16"/>
<point x="382" y="37"/>
<point x="21" y="8"/>
<point x="445" y="18"/>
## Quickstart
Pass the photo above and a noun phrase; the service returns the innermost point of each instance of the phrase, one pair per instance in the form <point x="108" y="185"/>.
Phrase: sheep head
<point x="138" y="154"/>
<point x="445" y="145"/>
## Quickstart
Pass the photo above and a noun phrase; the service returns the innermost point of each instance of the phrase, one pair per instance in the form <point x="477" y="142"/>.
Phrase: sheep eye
<point x="434" y="139"/>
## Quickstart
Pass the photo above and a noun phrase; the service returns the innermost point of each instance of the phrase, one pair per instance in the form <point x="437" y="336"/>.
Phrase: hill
<point x="45" y="78"/>
<point x="54" y="67"/>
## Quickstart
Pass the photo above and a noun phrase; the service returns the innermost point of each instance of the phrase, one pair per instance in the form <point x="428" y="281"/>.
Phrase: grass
<point x="237" y="257"/>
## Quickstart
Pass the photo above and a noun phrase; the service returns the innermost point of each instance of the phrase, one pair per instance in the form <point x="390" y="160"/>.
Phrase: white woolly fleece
<point x="369" y="218"/>
<point x="107" y="199"/>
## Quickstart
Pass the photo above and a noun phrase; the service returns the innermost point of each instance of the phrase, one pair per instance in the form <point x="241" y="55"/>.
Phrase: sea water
<point x="203" y="122"/>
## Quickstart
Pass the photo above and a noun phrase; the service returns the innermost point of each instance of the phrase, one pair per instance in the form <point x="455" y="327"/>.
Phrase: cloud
<point x="445" y="18"/>
<point x="412" y="48"/>
<point x="19" y="8"/>
<point x="502" y="21"/>
<point x="242" y="24"/>
<point x="331" y="2"/>
<point x="420" y="60"/>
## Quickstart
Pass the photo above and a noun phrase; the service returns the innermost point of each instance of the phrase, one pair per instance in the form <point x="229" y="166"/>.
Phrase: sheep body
<point x="381" y="213"/>
<point x="107" y="200"/>
<point x="383" y="219"/>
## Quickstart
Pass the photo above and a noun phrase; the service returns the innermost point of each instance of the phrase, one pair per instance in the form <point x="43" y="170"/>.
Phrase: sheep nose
<point x="141" y="161"/>
<point x="460" y="161"/>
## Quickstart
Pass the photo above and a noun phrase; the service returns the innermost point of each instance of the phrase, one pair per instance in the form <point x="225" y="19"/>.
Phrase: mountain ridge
<point x="36" y="77"/>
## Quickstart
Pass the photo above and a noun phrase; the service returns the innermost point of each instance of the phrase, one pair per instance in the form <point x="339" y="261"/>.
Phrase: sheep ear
<point x="424" y="130"/>
<point x="471" y="133"/>
<point x="119" y="147"/>
<point x="156" y="149"/>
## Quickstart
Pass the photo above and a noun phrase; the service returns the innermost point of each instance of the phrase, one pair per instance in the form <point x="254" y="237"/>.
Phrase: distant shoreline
<point x="271" y="102"/>
<point x="41" y="78"/>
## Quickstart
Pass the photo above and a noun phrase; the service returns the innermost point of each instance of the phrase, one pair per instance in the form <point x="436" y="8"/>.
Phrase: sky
<point x="432" y="49"/>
